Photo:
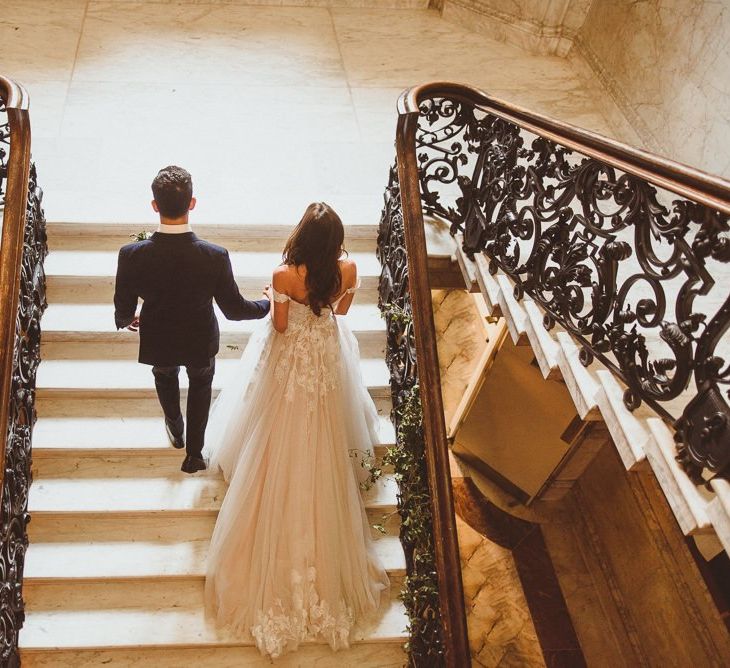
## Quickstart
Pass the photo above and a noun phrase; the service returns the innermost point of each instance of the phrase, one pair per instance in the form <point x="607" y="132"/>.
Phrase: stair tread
<point x="104" y="435"/>
<point x="202" y="492"/>
<point x="164" y="627"/>
<point x="245" y="263"/>
<point x="382" y="655"/>
<point x="128" y="374"/>
<point x="89" y="560"/>
<point x="97" y="318"/>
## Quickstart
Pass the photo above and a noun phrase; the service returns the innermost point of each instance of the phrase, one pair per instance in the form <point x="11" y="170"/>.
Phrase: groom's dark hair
<point x="172" y="189"/>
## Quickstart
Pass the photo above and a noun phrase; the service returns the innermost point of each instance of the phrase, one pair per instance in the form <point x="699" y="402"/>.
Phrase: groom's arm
<point x="125" y="295"/>
<point x="230" y="301"/>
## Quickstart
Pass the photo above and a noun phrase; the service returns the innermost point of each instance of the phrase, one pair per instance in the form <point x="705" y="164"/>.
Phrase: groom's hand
<point x="134" y="325"/>
<point x="268" y="293"/>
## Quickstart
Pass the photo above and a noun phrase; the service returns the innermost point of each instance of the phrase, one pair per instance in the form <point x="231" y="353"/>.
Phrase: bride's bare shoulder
<point x="282" y="277"/>
<point x="348" y="268"/>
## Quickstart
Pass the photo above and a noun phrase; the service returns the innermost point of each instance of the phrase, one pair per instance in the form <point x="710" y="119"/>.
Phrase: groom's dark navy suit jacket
<point x="178" y="276"/>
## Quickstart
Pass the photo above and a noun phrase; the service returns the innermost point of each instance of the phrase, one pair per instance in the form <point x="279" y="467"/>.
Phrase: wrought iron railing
<point x="22" y="301"/>
<point x="627" y="251"/>
<point x="433" y="591"/>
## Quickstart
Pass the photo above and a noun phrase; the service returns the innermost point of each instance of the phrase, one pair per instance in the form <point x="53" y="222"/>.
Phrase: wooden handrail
<point x="446" y="546"/>
<point x="694" y="184"/>
<point x="16" y="102"/>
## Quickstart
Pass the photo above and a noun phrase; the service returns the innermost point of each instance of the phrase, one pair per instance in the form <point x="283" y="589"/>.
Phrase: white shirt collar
<point x="174" y="229"/>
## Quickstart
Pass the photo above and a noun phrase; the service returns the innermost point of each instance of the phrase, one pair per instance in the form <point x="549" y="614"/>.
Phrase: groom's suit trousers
<point x="200" y="381"/>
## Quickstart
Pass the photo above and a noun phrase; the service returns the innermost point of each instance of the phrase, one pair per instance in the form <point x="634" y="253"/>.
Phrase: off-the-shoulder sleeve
<point x="279" y="296"/>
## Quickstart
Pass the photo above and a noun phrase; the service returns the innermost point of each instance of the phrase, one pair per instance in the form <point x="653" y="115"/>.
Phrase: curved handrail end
<point x="410" y="99"/>
<point x="14" y="95"/>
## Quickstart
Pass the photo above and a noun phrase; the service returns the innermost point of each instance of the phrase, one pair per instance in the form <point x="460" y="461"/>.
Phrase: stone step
<point x="86" y="331"/>
<point x="113" y="379"/>
<point x="119" y="435"/>
<point x="123" y="404"/>
<point x="87" y="463"/>
<point x="137" y="561"/>
<point x="149" y="527"/>
<point x="88" y="276"/>
<point x="153" y="527"/>
<point x="133" y="594"/>
<point x="234" y="237"/>
<point x="365" y="655"/>
<point x="69" y="406"/>
<point x="161" y="616"/>
<point x="117" y="490"/>
<point x="719" y="510"/>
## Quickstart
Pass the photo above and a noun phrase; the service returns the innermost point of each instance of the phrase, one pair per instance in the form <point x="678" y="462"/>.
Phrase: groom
<point x="177" y="276"/>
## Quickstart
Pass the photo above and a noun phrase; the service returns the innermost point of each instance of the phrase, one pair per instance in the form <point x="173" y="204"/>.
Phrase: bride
<point x="291" y="558"/>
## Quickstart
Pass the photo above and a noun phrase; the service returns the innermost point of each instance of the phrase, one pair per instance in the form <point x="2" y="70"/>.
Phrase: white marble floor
<point x="269" y="107"/>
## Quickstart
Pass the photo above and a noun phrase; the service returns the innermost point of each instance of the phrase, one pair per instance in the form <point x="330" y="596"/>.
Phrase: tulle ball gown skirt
<point x="291" y="558"/>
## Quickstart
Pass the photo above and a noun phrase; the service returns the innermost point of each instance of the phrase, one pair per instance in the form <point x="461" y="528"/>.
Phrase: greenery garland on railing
<point x="420" y="587"/>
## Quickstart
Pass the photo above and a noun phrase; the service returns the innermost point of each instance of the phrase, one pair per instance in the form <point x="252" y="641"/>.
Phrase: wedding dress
<point x="291" y="558"/>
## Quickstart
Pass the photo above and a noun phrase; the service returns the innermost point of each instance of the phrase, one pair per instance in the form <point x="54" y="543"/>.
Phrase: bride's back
<point x="315" y="271"/>
<point x="294" y="280"/>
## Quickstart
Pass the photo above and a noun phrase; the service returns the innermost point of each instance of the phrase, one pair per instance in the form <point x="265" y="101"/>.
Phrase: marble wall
<point x="460" y="338"/>
<point x="664" y="63"/>
<point x="501" y="631"/>
<point x="668" y="72"/>
<point x="541" y="26"/>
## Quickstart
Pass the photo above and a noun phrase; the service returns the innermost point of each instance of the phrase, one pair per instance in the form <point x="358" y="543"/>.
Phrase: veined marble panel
<point x="247" y="115"/>
<point x="234" y="181"/>
<point x="428" y="48"/>
<point x="501" y="632"/>
<point x="230" y="44"/>
<point x="373" y="4"/>
<point x="539" y="26"/>
<point x="39" y="38"/>
<point x="668" y="73"/>
<point x="47" y="102"/>
<point x="460" y="339"/>
<point x="376" y="112"/>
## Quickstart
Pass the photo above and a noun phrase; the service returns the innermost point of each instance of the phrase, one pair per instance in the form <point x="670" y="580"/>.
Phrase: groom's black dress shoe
<point x="175" y="440"/>
<point x="193" y="464"/>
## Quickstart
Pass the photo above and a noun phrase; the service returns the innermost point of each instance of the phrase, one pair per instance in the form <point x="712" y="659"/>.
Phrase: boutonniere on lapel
<point x="140" y="236"/>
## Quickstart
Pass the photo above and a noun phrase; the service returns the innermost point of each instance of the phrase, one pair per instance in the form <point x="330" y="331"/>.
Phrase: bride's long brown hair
<point x="317" y="243"/>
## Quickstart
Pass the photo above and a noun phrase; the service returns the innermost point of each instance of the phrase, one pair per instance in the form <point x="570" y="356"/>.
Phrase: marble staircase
<point x="115" y="569"/>
<point x="643" y="440"/>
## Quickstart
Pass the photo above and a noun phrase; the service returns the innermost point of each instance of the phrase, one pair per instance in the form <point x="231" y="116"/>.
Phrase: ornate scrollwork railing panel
<point x="394" y="299"/>
<point x="4" y="151"/>
<point x="28" y="292"/>
<point x="639" y="275"/>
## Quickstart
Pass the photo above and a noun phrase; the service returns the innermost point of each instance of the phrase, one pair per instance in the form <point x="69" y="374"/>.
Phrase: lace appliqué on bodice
<point x="311" y="359"/>
<point x="305" y="617"/>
